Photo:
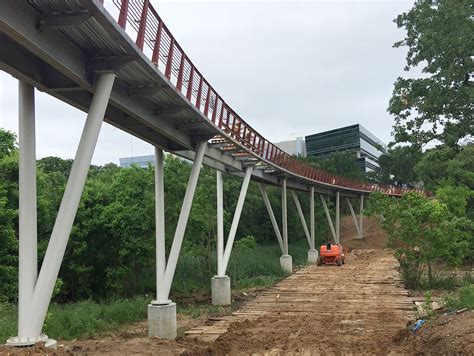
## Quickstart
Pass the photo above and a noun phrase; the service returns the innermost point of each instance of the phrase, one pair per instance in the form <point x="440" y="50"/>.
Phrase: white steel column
<point x="328" y="216"/>
<point x="28" y="264"/>
<point x="236" y="219"/>
<point x="361" y="217"/>
<point x="354" y="218"/>
<point x="70" y="202"/>
<point x="284" y="216"/>
<point x="183" y="219"/>
<point x="263" y="190"/>
<point x="220" y="224"/>
<point x="313" y="254"/>
<point x="286" y="261"/>
<point x="161" y="296"/>
<point x="337" y="219"/>
<point x="311" y="217"/>
<point x="302" y="218"/>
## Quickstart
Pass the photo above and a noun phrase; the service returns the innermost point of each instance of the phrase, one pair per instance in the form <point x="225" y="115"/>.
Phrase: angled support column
<point x="162" y="312"/>
<point x="328" y="216"/>
<point x="361" y="217"/>
<point x="354" y="218"/>
<point x="338" y="237"/>
<point x="313" y="253"/>
<point x="302" y="218"/>
<point x="236" y="219"/>
<point x="286" y="261"/>
<point x="43" y="290"/>
<point x="183" y="219"/>
<point x="220" y="284"/>
<point x="263" y="190"/>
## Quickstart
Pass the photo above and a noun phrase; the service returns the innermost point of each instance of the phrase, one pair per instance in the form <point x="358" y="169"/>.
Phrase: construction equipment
<point x="331" y="254"/>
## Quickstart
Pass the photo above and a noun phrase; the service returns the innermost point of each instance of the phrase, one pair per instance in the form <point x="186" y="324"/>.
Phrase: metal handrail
<point x="172" y="61"/>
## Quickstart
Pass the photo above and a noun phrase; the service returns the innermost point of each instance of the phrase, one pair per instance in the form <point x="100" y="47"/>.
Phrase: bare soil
<point x="360" y="307"/>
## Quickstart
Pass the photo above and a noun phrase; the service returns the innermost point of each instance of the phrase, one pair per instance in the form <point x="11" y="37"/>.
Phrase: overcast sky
<point x="289" y="68"/>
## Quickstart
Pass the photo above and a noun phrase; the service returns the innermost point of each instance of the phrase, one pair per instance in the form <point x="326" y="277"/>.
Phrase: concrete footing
<point x="17" y="342"/>
<point x="220" y="289"/>
<point x="162" y="320"/>
<point x="313" y="255"/>
<point x="286" y="263"/>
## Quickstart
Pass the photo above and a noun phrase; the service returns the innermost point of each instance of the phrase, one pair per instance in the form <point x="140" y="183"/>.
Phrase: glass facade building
<point x="354" y="139"/>
<point x="141" y="161"/>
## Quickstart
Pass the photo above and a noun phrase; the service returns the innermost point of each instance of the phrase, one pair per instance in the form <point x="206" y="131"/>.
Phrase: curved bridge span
<point x="119" y="63"/>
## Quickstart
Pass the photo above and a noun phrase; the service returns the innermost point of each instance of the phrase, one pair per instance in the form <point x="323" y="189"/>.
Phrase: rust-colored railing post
<point x="142" y="28"/>
<point x="179" y="82"/>
<point x="169" y="62"/>
<point x="122" y="21"/>
<point x="189" y="92"/>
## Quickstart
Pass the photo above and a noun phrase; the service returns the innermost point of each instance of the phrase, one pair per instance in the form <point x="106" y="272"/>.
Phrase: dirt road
<point x="356" y="308"/>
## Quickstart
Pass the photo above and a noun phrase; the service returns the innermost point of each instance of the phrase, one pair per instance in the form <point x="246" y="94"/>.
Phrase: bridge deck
<point x="354" y="308"/>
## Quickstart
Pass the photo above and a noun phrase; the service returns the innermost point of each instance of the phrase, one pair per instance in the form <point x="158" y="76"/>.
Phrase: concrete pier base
<point x="220" y="289"/>
<point x="286" y="263"/>
<point x="313" y="256"/>
<point x="17" y="342"/>
<point x="162" y="320"/>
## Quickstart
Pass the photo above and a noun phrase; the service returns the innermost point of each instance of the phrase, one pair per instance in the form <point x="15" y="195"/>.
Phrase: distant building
<point x="355" y="139"/>
<point x="293" y="147"/>
<point x="141" y="161"/>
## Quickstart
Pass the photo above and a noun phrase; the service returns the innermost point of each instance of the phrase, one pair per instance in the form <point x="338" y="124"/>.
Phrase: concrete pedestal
<point x="286" y="263"/>
<point x="313" y="256"/>
<point x="162" y="320"/>
<point x="220" y="289"/>
<point x="17" y="342"/>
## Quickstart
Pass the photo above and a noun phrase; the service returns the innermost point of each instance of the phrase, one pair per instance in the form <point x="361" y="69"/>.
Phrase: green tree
<point x="423" y="232"/>
<point x="8" y="215"/>
<point x="397" y="166"/>
<point x="340" y="163"/>
<point x="437" y="105"/>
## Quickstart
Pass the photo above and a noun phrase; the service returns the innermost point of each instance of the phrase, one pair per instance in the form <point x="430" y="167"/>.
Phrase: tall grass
<point x="247" y="269"/>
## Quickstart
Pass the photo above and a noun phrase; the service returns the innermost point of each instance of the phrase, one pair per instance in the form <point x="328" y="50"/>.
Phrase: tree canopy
<point x="436" y="106"/>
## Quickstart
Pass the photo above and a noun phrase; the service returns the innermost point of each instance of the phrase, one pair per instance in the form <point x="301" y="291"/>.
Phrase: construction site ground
<point x="360" y="307"/>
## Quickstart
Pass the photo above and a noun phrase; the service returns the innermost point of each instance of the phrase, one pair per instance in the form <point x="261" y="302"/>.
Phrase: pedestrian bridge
<point x="119" y="62"/>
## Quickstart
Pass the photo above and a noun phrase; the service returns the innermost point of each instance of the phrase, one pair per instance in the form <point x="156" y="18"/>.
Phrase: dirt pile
<point x="374" y="236"/>
<point x="453" y="334"/>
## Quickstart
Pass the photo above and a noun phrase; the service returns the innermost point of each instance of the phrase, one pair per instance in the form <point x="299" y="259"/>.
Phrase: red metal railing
<point x="154" y="37"/>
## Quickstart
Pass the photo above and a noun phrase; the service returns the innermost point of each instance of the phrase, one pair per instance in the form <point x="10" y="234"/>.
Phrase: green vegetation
<point x="463" y="298"/>
<point x="258" y="267"/>
<point x="424" y="235"/>
<point x="436" y="106"/>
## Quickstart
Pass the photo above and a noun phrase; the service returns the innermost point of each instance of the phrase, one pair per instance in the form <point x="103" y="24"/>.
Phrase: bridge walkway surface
<point x="359" y="307"/>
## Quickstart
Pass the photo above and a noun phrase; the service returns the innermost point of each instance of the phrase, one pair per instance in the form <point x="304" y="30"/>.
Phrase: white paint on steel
<point x="361" y="217"/>
<point x="328" y="216"/>
<point x="354" y="218"/>
<point x="338" y="237"/>
<point x="28" y="269"/>
<point x="302" y="218"/>
<point x="161" y="296"/>
<point x="311" y="218"/>
<point x="220" y="223"/>
<point x="263" y="190"/>
<point x="70" y="202"/>
<point x="284" y="216"/>
<point x="183" y="219"/>
<point x="236" y="219"/>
